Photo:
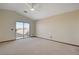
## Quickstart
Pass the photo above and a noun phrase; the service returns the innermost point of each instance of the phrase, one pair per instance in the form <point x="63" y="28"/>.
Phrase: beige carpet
<point x="35" y="46"/>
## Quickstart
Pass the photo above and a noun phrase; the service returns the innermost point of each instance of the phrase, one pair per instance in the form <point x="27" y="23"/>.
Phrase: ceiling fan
<point x="31" y="6"/>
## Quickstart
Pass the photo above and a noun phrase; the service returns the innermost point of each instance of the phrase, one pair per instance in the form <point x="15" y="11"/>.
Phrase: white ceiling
<point x="42" y="10"/>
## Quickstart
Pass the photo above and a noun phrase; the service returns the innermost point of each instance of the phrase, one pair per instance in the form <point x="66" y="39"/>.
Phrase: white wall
<point x="63" y="27"/>
<point x="8" y="20"/>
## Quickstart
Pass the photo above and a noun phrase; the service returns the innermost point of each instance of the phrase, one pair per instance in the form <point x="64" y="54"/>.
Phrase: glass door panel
<point x="26" y="30"/>
<point x="19" y="30"/>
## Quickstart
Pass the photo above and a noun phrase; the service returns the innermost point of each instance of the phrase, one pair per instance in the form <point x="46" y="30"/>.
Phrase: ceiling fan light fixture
<point x="32" y="9"/>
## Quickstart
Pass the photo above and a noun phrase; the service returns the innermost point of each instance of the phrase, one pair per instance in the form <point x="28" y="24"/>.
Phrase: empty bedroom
<point x="39" y="28"/>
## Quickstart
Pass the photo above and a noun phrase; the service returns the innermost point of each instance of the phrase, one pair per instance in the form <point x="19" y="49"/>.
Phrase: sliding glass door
<point x="26" y="30"/>
<point x="19" y="30"/>
<point x="22" y="30"/>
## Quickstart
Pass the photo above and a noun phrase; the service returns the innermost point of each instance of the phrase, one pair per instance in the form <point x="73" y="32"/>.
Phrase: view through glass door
<point x="22" y="30"/>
